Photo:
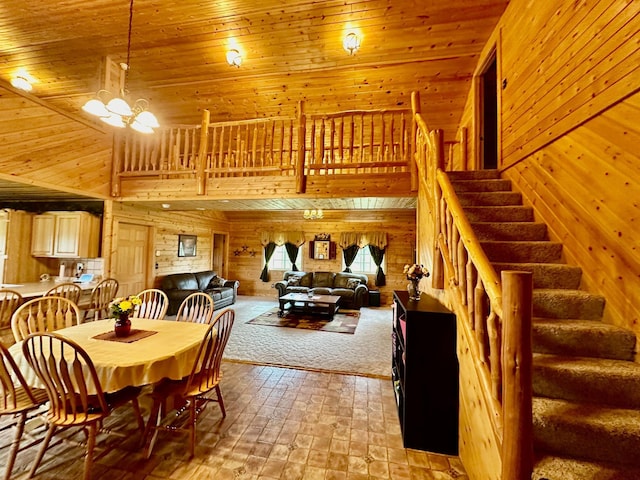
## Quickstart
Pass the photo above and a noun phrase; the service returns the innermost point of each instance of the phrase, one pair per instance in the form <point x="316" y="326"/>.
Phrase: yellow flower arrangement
<point x="122" y="305"/>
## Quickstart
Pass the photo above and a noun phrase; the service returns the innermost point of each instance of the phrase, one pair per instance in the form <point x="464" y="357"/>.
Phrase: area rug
<point x="365" y="353"/>
<point x="344" y="321"/>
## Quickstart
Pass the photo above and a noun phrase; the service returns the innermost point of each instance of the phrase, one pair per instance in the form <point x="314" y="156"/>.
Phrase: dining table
<point x="155" y="349"/>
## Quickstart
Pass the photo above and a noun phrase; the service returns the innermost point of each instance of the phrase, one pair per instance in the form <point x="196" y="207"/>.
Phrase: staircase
<point x="586" y="386"/>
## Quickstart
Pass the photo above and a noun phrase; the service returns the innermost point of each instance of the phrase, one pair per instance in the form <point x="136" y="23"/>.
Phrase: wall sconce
<point x="313" y="214"/>
<point x="234" y="58"/>
<point x="21" y="83"/>
<point x="351" y="43"/>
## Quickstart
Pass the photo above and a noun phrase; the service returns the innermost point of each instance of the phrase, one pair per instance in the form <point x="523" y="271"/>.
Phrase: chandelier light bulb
<point x="351" y="43"/>
<point x="120" y="107"/>
<point x="96" y="107"/>
<point x="114" y="120"/>
<point x="234" y="58"/>
<point x="21" y="83"/>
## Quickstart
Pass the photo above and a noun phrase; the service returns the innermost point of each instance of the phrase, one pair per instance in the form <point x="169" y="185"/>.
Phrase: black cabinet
<point x="425" y="373"/>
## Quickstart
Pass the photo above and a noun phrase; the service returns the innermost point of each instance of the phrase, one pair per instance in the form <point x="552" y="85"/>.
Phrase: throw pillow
<point x="217" y="282"/>
<point x="353" y="283"/>
<point x="293" y="281"/>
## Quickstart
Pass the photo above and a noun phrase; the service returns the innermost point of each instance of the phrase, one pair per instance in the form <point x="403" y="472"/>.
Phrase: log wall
<point x="245" y="228"/>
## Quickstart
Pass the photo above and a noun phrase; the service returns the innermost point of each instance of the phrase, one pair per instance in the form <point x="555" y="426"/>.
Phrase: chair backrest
<point x="197" y="308"/>
<point x="44" y="314"/>
<point x="9" y="301"/>
<point x="69" y="378"/>
<point x="15" y="394"/>
<point x="101" y="297"/>
<point x="72" y="291"/>
<point x="206" y="369"/>
<point x="154" y="304"/>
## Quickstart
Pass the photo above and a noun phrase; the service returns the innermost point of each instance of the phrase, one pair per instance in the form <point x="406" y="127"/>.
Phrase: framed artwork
<point x="187" y="245"/>
<point x="321" y="250"/>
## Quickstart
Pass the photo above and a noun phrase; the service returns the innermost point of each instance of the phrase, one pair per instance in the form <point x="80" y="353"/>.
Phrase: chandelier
<point x="313" y="214"/>
<point x="114" y="110"/>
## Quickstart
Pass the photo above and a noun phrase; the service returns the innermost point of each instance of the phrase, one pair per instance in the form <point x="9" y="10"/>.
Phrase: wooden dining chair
<point x="76" y="398"/>
<point x="197" y="308"/>
<point x="44" y="314"/>
<point x="194" y="390"/>
<point x="101" y="297"/>
<point x="69" y="290"/>
<point x="17" y="399"/>
<point x="10" y="300"/>
<point x="154" y="304"/>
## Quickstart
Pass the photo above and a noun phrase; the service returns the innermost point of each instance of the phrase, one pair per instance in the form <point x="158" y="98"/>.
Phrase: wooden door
<point x="132" y="258"/>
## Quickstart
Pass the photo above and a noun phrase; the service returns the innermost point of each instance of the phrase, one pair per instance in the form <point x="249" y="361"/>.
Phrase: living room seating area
<point x="179" y="286"/>
<point x="351" y="287"/>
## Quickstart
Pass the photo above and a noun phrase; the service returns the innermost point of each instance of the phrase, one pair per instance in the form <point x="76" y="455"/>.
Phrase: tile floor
<point x="281" y="424"/>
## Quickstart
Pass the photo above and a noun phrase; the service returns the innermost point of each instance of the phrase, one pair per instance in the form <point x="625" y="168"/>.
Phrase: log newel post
<point x="415" y="108"/>
<point x="517" y="444"/>
<point x="300" y="178"/>
<point x="201" y="179"/>
<point x="116" y="164"/>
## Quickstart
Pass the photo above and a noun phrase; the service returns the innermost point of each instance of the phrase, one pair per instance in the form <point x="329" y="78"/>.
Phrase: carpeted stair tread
<point x="490" y="185"/>
<point x="587" y="338"/>
<point x="525" y="252"/>
<point x="587" y="431"/>
<point x="512" y="231"/>
<point x="562" y="303"/>
<point x="473" y="175"/>
<point x="508" y="213"/>
<point x="471" y="199"/>
<point x="549" y="467"/>
<point x="595" y="380"/>
<point x="546" y="275"/>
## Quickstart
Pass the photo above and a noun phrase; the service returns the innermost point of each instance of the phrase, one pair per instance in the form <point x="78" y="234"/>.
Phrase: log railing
<point x="358" y="141"/>
<point x="494" y="314"/>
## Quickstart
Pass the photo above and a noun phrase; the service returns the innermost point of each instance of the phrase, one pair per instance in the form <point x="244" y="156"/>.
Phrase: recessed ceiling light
<point x="166" y="205"/>
<point x="200" y="208"/>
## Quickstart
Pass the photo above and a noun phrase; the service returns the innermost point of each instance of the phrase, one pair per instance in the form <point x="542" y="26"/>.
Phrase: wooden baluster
<point x="403" y="140"/>
<point x="480" y="312"/>
<point x="371" y="139"/>
<point x="313" y="145"/>
<point x="254" y="146"/>
<point x="282" y="143"/>
<point x="382" y="151"/>
<point x="495" y="351"/>
<point x="481" y="318"/>
<point x="321" y="145"/>
<point x="361" y="138"/>
<point x="462" y="278"/>
<point x="470" y="285"/>
<point x="163" y="150"/>
<point x="341" y="143"/>
<point x="174" y="154"/>
<point x="453" y="249"/>
<point x="186" y="154"/>
<point x="263" y="149"/>
<point x="351" y="137"/>
<point x="272" y="160"/>
<point x="238" y="149"/>
<point x="291" y="162"/>
<point x="221" y="154"/>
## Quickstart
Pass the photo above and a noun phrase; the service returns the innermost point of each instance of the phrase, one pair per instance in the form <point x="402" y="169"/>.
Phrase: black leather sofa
<point x="179" y="286"/>
<point x="351" y="287"/>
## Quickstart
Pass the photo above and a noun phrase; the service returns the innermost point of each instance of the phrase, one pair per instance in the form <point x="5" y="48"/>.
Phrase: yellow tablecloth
<point x="169" y="353"/>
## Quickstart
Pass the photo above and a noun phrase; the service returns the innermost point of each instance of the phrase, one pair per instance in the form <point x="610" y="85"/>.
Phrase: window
<point x="280" y="259"/>
<point x="363" y="263"/>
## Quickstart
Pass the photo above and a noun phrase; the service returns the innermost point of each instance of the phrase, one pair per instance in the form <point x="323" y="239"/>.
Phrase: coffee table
<point x="314" y="304"/>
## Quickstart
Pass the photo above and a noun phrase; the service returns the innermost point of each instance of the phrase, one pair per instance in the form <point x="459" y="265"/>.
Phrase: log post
<point x="300" y="178"/>
<point x="201" y="178"/>
<point x="415" y="108"/>
<point x="517" y="442"/>
<point x="116" y="165"/>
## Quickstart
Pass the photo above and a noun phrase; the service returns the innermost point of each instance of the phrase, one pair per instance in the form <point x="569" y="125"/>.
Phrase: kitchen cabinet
<point x="65" y="235"/>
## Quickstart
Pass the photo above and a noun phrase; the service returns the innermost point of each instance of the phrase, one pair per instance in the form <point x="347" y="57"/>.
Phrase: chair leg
<point x="43" y="448"/>
<point x="15" y="445"/>
<point x="151" y="432"/>
<point x="220" y="401"/>
<point x="136" y="409"/>
<point x="91" y="443"/>
<point x="192" y="426"/>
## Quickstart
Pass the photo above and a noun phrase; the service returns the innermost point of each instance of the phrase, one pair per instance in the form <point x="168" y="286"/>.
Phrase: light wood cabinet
<point x="65" y="235"/>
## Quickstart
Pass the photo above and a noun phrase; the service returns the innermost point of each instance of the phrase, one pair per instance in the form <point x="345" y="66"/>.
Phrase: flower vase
<point x="122" y="327"/>
<point x="413" y="289"/>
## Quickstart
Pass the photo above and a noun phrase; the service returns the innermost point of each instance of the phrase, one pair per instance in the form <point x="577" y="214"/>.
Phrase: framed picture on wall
<point x="321" y="250"/>
<point x="187" y="245"/>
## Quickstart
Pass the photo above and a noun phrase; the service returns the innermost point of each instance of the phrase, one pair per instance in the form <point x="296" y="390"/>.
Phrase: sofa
<point x="179" y="286"/>
<point x="351" y="287"/>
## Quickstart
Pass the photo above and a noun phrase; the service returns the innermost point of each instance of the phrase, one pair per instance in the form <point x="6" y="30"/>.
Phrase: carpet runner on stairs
<point x="586" y="384"/>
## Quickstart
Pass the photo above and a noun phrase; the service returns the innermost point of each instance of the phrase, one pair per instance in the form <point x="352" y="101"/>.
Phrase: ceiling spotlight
<point x="234" y="58"/>
<point x="21" y="83"/>
<point x="166" y="205"/>
<point x="351" y="43"/>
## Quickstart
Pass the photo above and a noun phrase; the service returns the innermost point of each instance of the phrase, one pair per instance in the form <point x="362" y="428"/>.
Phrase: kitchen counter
<point x="36" y="289"/>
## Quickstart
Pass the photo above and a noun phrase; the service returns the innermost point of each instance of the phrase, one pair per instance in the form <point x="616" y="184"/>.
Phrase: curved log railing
<point x="494" y="317"/>
<point x="358" y="141"/>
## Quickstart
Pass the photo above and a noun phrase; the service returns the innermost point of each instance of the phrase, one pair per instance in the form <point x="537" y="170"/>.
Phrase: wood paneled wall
<point x="246" y="228"/>
<point x="167" y="226"/>
<point x="48" y="148"/>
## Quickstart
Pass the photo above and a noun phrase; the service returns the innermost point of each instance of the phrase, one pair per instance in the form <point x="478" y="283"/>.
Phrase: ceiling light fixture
<point x="21" y="83"/>
<point x="351" y="43"/>
<point x="114" y="110"/>
<point x="234" y="58"/>
<point x="313" y="214"/>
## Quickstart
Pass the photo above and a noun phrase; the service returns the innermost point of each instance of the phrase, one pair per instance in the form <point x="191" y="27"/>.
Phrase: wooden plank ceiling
<point x="292" y="50"/>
